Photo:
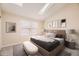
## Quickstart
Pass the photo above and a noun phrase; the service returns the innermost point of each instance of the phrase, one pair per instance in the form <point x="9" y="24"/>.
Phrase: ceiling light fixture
<point x="44" y="8"/>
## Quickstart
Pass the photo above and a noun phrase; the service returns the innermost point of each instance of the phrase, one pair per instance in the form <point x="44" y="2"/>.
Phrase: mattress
<point x="47" y="39"/>
<point x="43" y="38"/>
<point x="49" y="46"/>
<point x="46" y="43"/>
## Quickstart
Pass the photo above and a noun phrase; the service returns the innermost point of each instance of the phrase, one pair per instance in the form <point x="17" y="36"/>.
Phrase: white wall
<point x="13" y="38"/>
<point x="71" y="14"/>
<point x="0" y="29"/>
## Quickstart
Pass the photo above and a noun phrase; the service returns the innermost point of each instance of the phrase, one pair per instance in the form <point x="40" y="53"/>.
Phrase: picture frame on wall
<point x="10" y="27"/>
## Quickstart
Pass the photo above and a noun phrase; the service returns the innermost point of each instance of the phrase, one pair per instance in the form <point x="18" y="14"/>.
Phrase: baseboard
<point x="11" y="44"/>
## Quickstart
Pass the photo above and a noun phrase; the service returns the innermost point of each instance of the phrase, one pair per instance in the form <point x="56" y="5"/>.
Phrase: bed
<point x="50" y="45"/>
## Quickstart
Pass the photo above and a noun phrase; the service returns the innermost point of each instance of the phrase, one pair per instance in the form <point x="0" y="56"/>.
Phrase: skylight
<point x="19" y="4"/>
<point x="44" y="8"/>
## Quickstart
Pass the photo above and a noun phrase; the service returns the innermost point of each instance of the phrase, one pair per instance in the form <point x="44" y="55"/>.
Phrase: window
<point x="56" y="24"/>
<point x="29" y="28"/>
<point x="63" y="22"/>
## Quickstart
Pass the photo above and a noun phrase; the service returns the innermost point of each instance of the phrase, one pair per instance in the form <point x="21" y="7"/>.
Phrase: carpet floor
<point x="17" y="50"/>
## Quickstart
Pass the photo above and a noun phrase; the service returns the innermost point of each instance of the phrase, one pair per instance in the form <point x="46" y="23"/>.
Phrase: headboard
<point x="57" y="32"/>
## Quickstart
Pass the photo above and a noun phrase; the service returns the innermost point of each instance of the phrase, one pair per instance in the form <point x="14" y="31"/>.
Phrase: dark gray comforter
<point x="49" y="46"/>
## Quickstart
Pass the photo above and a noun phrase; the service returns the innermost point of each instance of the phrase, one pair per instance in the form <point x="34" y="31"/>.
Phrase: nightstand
<point x="70" y="45"/>
<point x="70" y="42"/>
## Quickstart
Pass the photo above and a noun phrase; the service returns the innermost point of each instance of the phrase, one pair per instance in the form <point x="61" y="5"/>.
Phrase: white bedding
<point x="60" y="39"/>
<point x="48" y="39"/>
<point x="43" y="38"/>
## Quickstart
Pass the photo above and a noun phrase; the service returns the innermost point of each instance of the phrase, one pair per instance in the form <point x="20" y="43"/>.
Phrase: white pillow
<point x="50" y="35"/>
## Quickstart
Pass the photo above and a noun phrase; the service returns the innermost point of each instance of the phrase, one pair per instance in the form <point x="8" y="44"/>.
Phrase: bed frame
<point x="57" y="50"/>
<point x="54" y="52"/>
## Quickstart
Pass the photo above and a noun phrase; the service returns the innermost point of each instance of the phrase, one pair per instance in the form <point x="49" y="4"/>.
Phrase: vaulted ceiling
<point x="31" y="10"/>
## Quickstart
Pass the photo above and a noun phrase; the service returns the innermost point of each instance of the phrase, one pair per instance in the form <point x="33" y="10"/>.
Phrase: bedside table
<point x="70" y="45"/>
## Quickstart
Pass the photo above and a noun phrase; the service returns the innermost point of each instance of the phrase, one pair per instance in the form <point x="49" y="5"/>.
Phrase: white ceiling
<point x="31" y="10"/>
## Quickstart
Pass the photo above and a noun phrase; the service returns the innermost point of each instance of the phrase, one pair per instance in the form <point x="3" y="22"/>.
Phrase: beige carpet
<point x="17" y="50"/>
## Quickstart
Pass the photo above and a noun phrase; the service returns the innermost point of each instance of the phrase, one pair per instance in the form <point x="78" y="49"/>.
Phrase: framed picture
<point x="10" y="27"/>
